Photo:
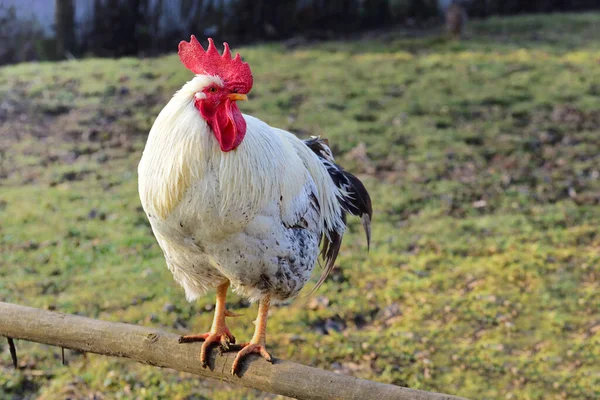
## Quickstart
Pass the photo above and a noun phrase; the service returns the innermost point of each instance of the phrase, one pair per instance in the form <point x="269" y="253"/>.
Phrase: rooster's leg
<point x="219" y="332"/>
<point x="258" y="342"/>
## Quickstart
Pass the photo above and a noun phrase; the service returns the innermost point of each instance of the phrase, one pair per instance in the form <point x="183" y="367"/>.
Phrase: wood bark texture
<point x="161" y="349"/>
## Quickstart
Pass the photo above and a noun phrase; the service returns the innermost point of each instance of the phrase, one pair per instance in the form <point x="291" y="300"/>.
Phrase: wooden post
<point x="64" y="25"/>
<point x="158" y="348"/>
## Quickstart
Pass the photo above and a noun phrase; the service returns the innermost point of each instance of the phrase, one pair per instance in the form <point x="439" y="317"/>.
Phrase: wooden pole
<point x="64" y="25"/>
<point x="158" y="348"/>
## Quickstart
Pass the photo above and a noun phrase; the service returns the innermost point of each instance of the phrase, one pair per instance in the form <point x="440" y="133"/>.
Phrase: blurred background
<point x="55" y="29"/>
<point x="474" y="126"/>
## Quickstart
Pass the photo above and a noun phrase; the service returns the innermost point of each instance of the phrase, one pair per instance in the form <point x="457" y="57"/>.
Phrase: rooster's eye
<point x="212" y="89"/>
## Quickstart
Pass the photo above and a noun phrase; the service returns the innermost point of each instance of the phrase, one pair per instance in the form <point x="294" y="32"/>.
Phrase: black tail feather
<point x="358" y="202"/>
<point x="355" y="201"/>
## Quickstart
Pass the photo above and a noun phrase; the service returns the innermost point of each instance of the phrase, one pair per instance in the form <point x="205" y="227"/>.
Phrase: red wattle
<point x="228" y="125"/>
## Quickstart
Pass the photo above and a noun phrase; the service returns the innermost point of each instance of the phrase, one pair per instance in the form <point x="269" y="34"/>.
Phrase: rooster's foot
<point x="249" y="348"/>
<point x="222" y="337"/>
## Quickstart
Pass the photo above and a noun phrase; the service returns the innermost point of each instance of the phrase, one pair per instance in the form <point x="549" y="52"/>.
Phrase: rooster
<point x="235" y="202"/>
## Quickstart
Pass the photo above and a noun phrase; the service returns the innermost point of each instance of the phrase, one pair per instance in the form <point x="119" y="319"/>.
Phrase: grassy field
<point x="483" y="160"/>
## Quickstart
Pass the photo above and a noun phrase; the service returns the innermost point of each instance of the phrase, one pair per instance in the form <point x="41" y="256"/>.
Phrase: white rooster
<point x="234" y="201"/>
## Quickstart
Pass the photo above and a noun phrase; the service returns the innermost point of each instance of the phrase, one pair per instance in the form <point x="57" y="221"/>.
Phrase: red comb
<point x="233" y="72"/>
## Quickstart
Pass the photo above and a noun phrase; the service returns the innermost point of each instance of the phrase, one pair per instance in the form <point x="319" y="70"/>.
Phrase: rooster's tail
<point x="354" y="200"/>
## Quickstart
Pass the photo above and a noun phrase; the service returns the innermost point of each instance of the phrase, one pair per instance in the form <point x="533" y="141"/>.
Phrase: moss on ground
<point x="482" y="157"/>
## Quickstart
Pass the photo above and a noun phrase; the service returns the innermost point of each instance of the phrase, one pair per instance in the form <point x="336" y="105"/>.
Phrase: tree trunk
<point x="64" y="27"/>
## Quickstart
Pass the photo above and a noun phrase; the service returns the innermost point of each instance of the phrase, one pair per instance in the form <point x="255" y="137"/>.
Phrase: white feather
<point x="210" y="208"/>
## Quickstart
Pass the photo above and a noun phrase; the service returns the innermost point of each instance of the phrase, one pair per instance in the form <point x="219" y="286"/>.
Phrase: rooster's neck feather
<point x="182" y="150"/>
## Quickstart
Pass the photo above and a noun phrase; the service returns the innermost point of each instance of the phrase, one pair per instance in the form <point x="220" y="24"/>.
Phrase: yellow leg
<point x="258" y="342"/>
<point x="219" y="332"/>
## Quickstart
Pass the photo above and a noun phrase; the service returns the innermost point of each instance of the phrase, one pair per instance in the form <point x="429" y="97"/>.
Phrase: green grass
<point x="482" y="157"/>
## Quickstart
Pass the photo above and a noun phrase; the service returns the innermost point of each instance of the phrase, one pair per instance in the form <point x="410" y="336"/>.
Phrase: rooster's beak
<point x="237" y="97"/>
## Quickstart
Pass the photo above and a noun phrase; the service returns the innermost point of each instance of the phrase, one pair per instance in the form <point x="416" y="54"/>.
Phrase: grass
<point x="482" y="157"/>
